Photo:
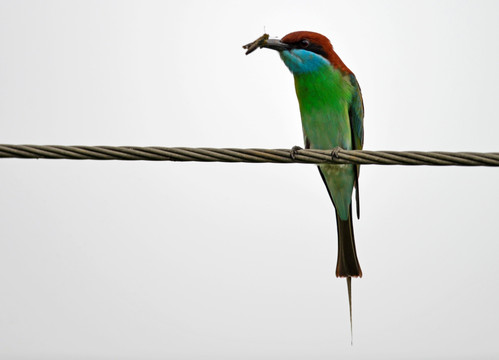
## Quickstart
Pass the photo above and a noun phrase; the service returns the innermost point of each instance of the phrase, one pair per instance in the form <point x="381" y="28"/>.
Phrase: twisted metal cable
<point x="335" y="156"/>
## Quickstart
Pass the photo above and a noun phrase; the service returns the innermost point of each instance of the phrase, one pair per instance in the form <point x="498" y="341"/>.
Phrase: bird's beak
<point x="275" y="44"/>
<point x="264" y="41"/>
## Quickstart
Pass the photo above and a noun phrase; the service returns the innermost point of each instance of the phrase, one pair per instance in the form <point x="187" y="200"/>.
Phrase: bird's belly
<point x="327" y="131"/>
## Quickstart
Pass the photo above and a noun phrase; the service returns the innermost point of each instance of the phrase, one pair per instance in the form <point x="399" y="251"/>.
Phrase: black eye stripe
<point x="315" y="48"/>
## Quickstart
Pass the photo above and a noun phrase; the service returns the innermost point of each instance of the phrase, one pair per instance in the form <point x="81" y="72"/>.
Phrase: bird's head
<point x="303" y="51"/>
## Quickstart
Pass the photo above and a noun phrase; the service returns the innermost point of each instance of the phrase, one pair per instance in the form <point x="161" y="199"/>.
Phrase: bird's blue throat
<point x="300" y="61"/>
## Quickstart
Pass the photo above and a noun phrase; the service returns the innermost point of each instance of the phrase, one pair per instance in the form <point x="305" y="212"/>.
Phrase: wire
<point x="308" y="156"/>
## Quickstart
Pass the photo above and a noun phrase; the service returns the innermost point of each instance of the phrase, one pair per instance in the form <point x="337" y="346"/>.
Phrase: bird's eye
<point x="304" y="43"/>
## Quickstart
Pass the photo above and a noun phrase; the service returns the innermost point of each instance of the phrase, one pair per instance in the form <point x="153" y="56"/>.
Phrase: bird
<point x="332" y="117"/>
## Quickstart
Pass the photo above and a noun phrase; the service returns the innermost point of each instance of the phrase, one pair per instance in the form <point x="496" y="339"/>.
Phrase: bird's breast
<point x="324" y="96"/>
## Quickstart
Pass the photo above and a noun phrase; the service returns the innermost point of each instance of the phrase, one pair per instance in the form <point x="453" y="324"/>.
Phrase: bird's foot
<point x="294" y="151"/>
<point x="336" y="152"/>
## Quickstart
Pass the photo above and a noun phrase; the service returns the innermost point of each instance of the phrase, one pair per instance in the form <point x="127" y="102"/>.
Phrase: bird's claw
<point x="336" y="152"/>
<point x="294" y="151"/>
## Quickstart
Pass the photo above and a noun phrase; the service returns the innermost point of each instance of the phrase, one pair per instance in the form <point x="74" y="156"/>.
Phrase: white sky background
<point x="150" y="260"/>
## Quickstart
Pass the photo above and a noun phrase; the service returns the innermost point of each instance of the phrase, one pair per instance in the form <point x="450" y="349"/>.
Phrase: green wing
<point x="356" y="115"/>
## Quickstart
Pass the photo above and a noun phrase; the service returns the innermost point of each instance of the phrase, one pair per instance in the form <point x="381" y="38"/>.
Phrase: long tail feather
<point x="349" y="287"/>
<point x="348" y="264"/>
